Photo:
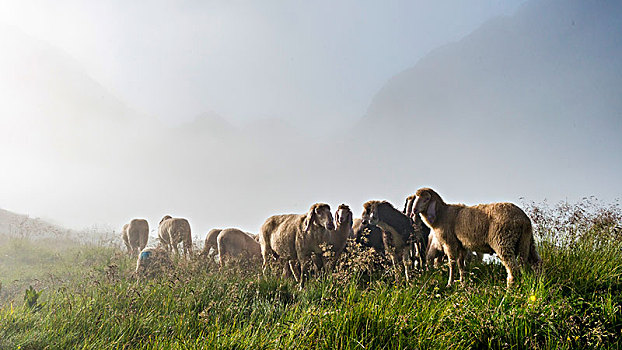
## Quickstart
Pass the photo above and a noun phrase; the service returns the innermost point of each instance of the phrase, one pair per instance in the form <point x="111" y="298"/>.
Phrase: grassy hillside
<point x="574" y="301"/>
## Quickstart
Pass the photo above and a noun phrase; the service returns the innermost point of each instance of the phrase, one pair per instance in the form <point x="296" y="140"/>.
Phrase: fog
<point x="228" y="112"/>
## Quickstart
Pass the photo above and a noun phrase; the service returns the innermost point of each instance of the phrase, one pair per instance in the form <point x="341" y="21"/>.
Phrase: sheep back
<point x="138" y="233"/>
<point x="278" y="235"/>
<point x="235" y="242"/>
<point x="486" y="227"/>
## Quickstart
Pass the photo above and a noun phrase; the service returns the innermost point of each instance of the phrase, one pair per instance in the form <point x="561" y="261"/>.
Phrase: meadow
<point x="59" y="294"/>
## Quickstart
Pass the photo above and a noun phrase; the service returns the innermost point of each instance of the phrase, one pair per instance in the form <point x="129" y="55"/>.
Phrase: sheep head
<point x="370" y="213"/>
<point x="343" y="215"/>
<point x="426" y="204"/>
<point x="319" y="214"/>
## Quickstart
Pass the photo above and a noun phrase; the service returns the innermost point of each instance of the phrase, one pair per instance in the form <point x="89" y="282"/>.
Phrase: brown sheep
<point x="172" y="231"/>
<point x="293" y="238"/>
<point x="339" y="236"/>
<point x="137" y="235"/>
<point x="400" y="232"/>
<point x="501" y="228"/>
<point x="211" y="242"/>
<point x="233" y="242"/>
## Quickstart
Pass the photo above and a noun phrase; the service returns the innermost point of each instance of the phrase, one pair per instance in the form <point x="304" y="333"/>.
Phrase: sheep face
<point x="369" y="215"/>
<point x="320" y="215"/>
<point x="343" y="215"/>
<point x="425" y="204"/>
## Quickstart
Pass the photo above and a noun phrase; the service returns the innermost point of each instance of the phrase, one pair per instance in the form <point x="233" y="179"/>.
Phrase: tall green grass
<point x="572" y="301"/>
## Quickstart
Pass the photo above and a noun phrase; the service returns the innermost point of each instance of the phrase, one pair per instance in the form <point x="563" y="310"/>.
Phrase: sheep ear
<point x="337" y="216"/>
<point x="431" y="212"/>
<point x="309" y="220"/>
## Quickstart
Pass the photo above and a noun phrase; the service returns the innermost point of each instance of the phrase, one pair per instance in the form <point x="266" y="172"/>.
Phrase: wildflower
<point x="532" y="298"/>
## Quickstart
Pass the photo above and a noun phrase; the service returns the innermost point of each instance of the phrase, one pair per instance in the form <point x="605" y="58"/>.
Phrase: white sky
<point x="291" y="60"/>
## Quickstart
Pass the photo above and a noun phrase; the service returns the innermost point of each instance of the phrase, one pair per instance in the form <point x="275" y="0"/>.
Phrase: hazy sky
<point x="404" y="94"/>
<point x="292" y="60"/>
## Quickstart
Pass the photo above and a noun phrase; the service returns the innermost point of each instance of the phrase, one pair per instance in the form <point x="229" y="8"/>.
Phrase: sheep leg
<point x="318" y="261"/>
<point x="452" y="255"/>
<point x="450" y="282"/>
<point x="287" y="271"/>
<point x="511" y="266"/>
<point x="269" y="255"/>
<point x="419" y="251"/>
<point x="396" y="268"/>
<point x="461" y="266"/>
<point x="406" y="261"/>
<point x="129" y="248"/>
<point x="295" y="271"/>
<point x="187" y="249"/>
<point x="304" y="264"/>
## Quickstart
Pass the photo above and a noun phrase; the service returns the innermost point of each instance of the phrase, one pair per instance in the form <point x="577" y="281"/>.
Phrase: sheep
<point x="501" y="228"/>
<point x="172" y="231"/>
<point x="211" y="242"/>
<point x="339" y="236"/>
<point x="152" y="260"/>
<point x="232" y="242"/>
<point x="400" y="231"/>
<point x="293" y="238"/>
<point x="369" y="236"/>
<point x="137" y="234"/>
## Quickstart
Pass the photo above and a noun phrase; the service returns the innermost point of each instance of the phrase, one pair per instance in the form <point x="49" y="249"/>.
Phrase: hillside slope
<point x="540" y="88"/>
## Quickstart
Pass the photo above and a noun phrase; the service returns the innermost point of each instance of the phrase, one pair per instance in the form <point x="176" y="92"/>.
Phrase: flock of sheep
<point x="426" y="230"/>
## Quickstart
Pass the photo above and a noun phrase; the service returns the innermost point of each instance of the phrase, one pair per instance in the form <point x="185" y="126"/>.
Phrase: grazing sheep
<point x="172" y="231"/>
<point x="211" y="242"/>
<point x="137" y="235"/>
<point x="293" y="238"/>
<point x="339" y="236"/>
<point x="369" y="236"/>
<point x="152" y="260"/>
<point x="233" y="242"/>
<point x="501" y="228"/>
<point x="400" y="231"/>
